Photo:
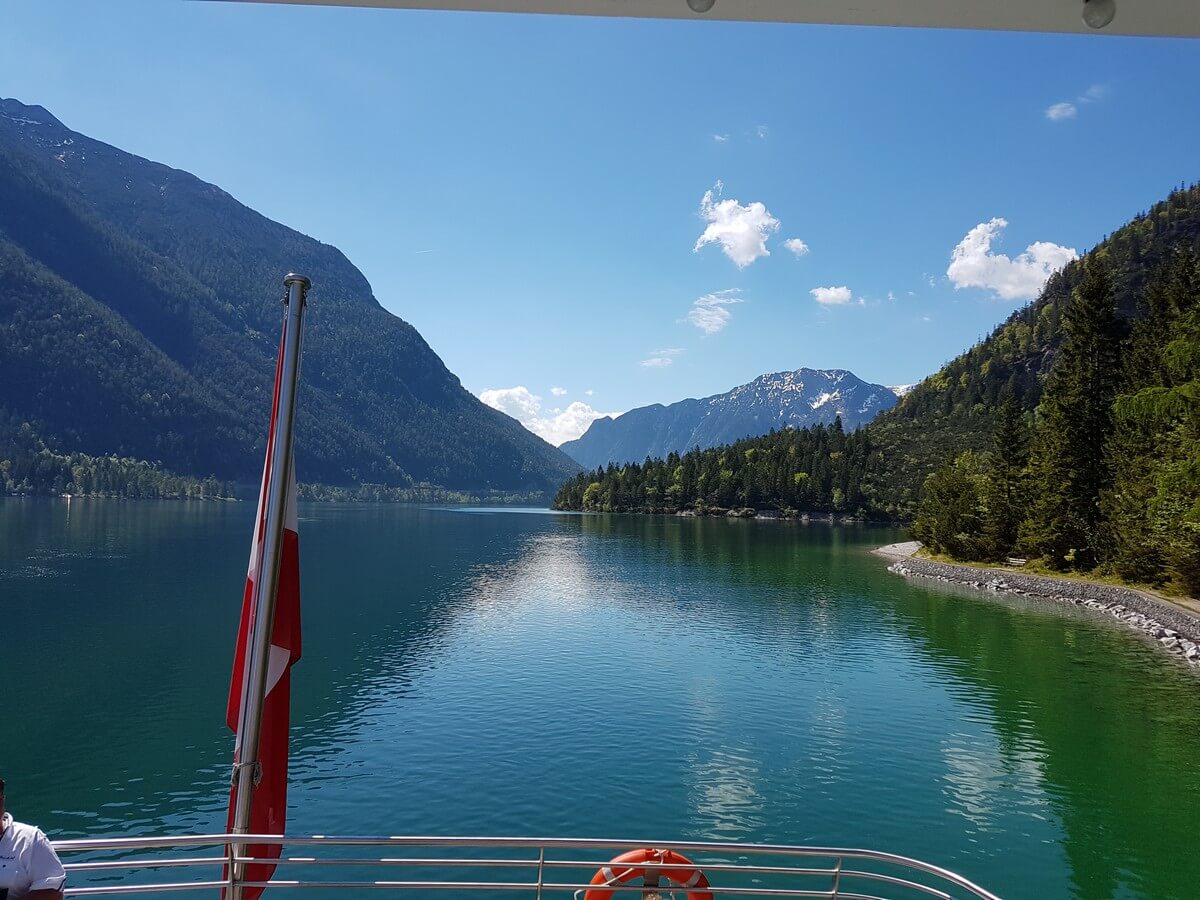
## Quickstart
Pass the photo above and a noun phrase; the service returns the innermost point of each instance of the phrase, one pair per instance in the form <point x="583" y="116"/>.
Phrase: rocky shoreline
<point x="1171" y="628"/>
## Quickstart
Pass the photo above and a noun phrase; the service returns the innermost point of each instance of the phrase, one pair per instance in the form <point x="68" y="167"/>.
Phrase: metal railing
<point x="533" y="868"/>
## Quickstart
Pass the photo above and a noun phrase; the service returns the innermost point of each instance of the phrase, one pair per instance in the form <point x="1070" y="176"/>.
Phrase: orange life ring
<point x="626" y="868"/>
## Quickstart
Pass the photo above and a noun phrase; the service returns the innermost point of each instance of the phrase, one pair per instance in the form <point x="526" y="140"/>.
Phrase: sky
<point x="582" y="216"/>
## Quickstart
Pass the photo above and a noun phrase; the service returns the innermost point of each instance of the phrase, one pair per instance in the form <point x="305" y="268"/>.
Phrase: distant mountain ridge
<point x="778" y="400"/>
<point x="139" y="316"/>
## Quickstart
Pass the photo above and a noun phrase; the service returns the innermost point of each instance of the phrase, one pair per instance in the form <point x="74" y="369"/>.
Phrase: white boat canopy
<point x="1163" y="18"/>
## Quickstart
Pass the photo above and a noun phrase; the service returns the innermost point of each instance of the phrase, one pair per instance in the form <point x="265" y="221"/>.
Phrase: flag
<point x="269" y="805"/>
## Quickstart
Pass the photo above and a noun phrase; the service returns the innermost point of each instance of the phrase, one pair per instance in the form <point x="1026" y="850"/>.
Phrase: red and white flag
<point x="269" y="805"/>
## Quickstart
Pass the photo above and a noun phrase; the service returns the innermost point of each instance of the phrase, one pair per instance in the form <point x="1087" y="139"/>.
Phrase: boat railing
<point x="527" y="867"/>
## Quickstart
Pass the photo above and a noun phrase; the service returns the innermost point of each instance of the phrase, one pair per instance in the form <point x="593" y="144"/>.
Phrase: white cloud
<point x="571" y="423"/>
<point x="659" y="359"/>
<point x="589" y="392"/>
<point x="831" y="296"/>
<point x="518" y="402"/>
<point x="797" y="246"/>
<point x="762" y="131"/>
<point x="720" y="138"/>
<point x="557" y="427"/>
<point x="710" y="314"/>
<point x="891" y="296"/>
<point x="973" y="264"/>
<point x="558" y="391"/>
<point x="1057" y="112"/>
<point x="741" y="231"/>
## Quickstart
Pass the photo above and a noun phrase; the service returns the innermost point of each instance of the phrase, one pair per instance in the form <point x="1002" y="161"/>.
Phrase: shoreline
<point x="747" y="512"/>
<point x="1171" y="628"/>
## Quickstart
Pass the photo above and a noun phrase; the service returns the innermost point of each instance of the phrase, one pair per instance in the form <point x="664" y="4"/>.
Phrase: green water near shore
<point x="509" y="672"/>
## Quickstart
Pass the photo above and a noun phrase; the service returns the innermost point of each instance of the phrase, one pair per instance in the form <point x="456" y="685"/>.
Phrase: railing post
<point x="227" y="891"/>
<point x="248" y="770"/>
<point x="541" y="872"/>
<point x="837" y="878"/>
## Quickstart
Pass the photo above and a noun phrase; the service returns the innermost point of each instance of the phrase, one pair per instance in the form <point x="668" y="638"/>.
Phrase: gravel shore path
<point x="1174" y="629"/>
<point x="898" y="551"/>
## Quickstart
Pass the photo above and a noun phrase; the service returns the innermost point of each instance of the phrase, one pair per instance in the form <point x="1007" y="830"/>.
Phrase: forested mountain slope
<point x="140" y="313"/>
<point x="954" y="409"/>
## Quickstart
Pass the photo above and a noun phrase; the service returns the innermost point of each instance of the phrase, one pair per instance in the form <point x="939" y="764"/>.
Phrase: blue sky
<point x="529" y="191"/>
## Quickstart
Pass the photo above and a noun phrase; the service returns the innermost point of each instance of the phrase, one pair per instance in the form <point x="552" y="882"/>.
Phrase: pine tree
<point x="1070" y="466"/>
<point x="1154" y="503"/>
<point x="1004" y="493"/>
<point x="950" y="517"/>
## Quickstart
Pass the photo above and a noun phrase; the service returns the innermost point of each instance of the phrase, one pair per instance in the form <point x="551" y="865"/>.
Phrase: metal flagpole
<point x="249" y="771"/>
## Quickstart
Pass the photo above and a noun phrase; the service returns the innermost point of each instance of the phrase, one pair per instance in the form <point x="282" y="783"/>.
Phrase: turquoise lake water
<point x="522" y="672"/>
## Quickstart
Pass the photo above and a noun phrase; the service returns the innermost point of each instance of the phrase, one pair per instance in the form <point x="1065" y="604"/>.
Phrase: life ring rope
<point x="681" y="872"/>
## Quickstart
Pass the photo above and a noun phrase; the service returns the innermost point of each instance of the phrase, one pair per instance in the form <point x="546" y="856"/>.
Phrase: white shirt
<point x="27" y="861"/>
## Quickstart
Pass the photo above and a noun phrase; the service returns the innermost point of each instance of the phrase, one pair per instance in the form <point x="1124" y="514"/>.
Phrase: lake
<point x="471" y="671"/>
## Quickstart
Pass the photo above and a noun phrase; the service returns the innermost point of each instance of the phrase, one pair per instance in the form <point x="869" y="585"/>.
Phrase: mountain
<point x="140" y="313"/>
<point x="780" y="400"/>
<point x="955" y="408"/>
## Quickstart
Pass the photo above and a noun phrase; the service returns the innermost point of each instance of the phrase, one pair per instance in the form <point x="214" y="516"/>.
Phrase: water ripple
<point x="519" y="673"/>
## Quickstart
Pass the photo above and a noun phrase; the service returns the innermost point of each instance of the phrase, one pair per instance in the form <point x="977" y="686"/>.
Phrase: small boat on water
<point x="247" y="859"/>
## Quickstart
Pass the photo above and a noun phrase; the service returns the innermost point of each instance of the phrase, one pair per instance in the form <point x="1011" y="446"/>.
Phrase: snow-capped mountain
<point x="780" y="400"/>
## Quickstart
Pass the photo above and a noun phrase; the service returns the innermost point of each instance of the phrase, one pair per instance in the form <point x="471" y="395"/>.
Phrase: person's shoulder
<point x="23" y="832"/>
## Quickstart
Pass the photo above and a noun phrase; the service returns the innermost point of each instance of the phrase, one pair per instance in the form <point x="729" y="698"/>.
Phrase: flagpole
<point x="247" y="770"/>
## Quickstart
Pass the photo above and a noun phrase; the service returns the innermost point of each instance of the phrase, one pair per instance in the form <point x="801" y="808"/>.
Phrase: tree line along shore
<point x="28" y="468"/>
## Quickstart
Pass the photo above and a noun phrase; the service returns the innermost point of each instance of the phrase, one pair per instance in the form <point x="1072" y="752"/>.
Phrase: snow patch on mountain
<point x="795" y="399"/>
